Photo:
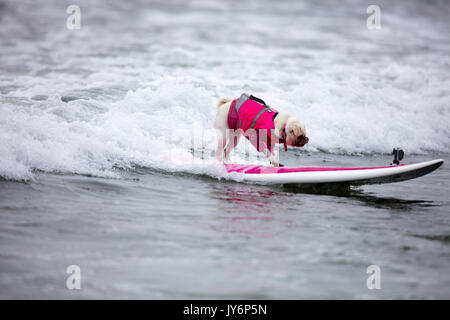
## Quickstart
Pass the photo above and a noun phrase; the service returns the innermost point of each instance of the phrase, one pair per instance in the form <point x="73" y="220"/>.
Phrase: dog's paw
<point x="276" y="164"/>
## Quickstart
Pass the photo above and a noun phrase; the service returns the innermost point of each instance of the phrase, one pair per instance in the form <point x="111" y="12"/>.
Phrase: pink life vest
<point x="255" y="119"/>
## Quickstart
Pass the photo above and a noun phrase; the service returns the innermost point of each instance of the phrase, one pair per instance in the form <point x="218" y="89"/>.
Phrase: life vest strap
<point x="257" y="116"/>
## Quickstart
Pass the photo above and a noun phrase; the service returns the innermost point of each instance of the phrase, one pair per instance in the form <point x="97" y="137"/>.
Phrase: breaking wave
<point x="139" y="82"/>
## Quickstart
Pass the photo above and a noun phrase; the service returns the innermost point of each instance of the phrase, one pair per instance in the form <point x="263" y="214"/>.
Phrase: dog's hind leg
<point x="221" y="143"/>
<point x="233" y="137"/>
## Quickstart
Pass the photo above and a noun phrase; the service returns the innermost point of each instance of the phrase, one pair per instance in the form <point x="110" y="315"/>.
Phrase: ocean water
<point x="94" y="122"/>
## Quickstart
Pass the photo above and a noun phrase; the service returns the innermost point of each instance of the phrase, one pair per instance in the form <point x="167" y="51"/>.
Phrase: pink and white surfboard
<point x="349" y="175"/>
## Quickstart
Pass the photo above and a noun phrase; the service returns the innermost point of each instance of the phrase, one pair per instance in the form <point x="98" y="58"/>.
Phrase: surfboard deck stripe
<point x="322" y="175"/>
<point x="258" y="169"/>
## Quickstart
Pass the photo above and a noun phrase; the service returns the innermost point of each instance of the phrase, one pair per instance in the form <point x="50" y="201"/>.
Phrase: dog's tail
<point x="222" y="101"/>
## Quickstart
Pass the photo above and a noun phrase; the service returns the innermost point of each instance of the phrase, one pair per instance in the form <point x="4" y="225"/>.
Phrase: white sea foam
<point x="140" y="79"/>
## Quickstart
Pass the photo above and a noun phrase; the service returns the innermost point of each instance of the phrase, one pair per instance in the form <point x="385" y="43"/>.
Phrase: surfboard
<point x="331" y="175"/>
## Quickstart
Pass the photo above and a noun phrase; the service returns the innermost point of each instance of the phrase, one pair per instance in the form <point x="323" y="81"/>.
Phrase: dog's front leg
<point x="272" y="158"/>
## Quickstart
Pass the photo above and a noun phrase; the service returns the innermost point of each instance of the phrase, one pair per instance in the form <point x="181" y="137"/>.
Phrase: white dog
<point x="263" y="126"/>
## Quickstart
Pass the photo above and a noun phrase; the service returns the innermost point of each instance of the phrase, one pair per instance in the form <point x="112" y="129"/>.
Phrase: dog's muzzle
<point x="302" y="140"/>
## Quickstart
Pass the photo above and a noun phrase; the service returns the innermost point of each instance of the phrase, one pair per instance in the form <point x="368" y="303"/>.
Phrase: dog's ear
<point x="295" y="130"/>
<point x="299" y="128"/>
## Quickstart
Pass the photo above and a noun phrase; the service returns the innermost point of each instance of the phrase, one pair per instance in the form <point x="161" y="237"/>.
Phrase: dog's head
<point x="295" y="133"/>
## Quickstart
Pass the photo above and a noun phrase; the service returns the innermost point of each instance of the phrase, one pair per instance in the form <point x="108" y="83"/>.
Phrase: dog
<point x="262" y="125"/>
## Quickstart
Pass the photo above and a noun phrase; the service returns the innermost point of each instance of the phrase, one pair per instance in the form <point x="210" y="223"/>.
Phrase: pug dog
<point x="262" y="125"/>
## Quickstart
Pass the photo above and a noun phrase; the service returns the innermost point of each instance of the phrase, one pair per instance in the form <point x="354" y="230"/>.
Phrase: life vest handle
<point x="260" y="101"/>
